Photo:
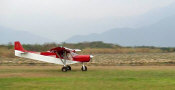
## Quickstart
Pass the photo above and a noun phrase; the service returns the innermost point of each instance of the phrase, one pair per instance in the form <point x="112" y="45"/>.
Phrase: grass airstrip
<point x="96" y="78"/>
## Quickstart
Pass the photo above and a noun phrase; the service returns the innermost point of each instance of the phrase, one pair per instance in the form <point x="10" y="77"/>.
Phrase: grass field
<point x="96" y="78"/>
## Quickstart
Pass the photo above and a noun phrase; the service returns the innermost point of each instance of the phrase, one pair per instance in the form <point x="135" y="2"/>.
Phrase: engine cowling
<point x="82" y="58"/>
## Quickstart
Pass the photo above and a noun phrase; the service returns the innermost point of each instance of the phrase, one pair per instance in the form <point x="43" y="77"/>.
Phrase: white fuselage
<point x="43" y="58"/>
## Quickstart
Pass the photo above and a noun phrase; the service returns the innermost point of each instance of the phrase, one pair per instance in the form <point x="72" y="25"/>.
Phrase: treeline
<point x="91" y="48"/>
<point x="48" y="46"/>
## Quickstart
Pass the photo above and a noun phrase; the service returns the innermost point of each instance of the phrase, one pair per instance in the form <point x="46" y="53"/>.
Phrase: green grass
<point x="103" y="78"/>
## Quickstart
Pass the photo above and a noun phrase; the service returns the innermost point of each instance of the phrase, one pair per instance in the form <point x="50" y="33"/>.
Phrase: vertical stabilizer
<point x="18" y="46"/>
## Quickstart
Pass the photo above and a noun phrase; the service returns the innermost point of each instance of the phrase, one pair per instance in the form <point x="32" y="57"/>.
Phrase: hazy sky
<point x="61" y="19"/>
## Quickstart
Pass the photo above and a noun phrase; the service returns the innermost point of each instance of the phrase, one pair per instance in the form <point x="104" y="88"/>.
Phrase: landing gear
<point x="84" y="68"/>
<point x="64" y="69"/>
<point x="69" y="67"/>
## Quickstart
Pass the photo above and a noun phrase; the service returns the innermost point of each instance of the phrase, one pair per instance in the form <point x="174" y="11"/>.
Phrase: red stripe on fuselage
<point x="48" y="54"/>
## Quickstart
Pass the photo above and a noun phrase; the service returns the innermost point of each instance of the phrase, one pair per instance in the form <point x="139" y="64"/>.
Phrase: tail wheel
<point x="84" y="68"/>
<point x="64" y="69"/>
<point x="69" y="67"/>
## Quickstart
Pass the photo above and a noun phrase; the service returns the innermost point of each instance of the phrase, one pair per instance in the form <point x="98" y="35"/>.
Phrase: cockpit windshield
<point x="73" y="54"/>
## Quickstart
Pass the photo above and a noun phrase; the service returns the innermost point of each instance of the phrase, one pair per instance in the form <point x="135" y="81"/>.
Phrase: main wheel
<point x="84" y="68"/>
<point x="69" y="67"/>
<point x="64" y="69"/>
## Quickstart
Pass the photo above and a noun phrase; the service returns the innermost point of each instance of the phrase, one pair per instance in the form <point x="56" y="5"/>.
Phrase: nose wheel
<point x="84" y="68"/>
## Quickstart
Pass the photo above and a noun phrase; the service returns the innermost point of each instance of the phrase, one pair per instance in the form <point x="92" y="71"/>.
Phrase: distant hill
<point x="148" y="18"/>
<point x="158" y="34"/>
<point x="9" y="35"/>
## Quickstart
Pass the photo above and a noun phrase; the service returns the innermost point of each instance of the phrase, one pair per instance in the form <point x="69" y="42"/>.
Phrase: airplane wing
<point x="57" y="49"/>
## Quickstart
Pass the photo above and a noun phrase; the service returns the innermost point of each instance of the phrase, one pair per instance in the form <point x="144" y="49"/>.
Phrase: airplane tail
<point x="18" y="46"/>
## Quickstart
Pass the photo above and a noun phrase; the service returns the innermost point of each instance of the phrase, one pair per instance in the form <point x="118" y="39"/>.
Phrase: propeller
<point x="91" y="56"/>
<point x="77" y="50"/>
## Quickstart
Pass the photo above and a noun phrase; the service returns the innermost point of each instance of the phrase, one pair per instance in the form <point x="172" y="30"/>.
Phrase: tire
<point x="64" y="69"/>
<point x="84" y="68"/>
<point x="69" y="67"/>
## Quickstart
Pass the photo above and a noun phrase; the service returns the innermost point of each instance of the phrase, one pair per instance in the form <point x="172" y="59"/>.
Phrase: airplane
<point x="59" y="55"/>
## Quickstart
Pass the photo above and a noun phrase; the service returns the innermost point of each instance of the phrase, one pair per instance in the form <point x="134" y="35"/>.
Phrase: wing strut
<point x="63" y="61"/>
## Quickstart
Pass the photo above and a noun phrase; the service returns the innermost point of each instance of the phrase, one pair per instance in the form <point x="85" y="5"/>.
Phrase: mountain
<point x="161" y="34"/>
<point x="145" y="19"/>
<point x="153" y="16"/>
<point x="9" y="35"/>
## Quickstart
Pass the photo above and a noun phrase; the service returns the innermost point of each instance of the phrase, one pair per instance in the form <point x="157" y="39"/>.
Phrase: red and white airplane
<point x="58" y="55"/>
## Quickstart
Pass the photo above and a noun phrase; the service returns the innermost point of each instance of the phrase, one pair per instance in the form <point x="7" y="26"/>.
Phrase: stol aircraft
<point x="59" y="55"/>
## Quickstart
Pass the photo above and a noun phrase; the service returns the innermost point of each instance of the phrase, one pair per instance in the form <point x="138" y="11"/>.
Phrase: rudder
<point x="18" y="46"/>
